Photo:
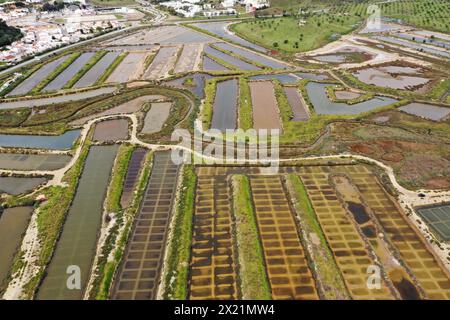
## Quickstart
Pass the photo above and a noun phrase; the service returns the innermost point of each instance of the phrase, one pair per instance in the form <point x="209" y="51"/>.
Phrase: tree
<point x="8" y="34"/>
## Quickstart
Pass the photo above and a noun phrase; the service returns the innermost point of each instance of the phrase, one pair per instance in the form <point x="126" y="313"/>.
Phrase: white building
<point x="184" y="7"/>
<point x="228" y="3"/>
<point x="219" y="12"/>
<point x="257" y="4"/>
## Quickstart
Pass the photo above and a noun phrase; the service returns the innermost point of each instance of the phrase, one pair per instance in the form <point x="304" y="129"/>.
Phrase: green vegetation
<point x="252" y="273"/>
<point x="329" y="275"/>
<point x="429" y="14"/>
<point x="435" y="93"/>
<point x="249" y="61"/>
<point x="92" y="61"/>
<point x="305" y="133"/>
<point x="221" y="62"/>
<point x="207" y="111"/>
<point x="106" y="269"/>
<point x="8" y="34"/>
<point x="148" y="60"/>
<point x="283" y="103"/>
<point x="25" y="73"/>
<point x="14" y="117"/>
<point x="63" y="66"/>
<point x="245" y="105"/>
<point x="288" y="35"/>
<point x="113" y="3"/>
<point x="111" y="68"/>
<point x="117" y="177"/>
<point x="331" y="93"/>
<point x="54" y="119"/>
<point x="210" y="94"/>
<point x="51" y="215"/>
<point x="179" y="248"/>
<point x="189" y="82"/>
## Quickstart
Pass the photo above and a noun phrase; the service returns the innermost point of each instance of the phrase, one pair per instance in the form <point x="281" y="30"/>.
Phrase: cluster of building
<point x="46" y="30"/>
<point x="191" y="8"/>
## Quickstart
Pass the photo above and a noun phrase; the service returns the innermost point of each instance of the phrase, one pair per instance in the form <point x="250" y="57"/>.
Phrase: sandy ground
<point x="190" y="58"/>
<point x="130" y="68"/>
<point x="162" y="64"/>
<point x="156" y="117"/>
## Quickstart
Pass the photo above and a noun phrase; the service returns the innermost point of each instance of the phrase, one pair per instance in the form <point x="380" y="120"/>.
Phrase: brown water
<point x="111" y="130"/>
<point x="295" y="101"/>
<point x="359" y="212"/>
<point x="13" y="224"/>
<point x="404" y="286"/>
<point x="265" y="106"/>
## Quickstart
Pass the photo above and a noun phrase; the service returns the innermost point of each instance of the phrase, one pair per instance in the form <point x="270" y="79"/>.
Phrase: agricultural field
<point x="282" y="155"/>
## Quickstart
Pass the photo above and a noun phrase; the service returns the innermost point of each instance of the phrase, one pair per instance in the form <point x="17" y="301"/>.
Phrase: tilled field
<point x="139" y="274"/>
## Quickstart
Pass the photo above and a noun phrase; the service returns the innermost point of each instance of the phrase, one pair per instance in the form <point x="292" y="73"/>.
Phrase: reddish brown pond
<point x="111" y="130"/>
<point x="265" y="107"/>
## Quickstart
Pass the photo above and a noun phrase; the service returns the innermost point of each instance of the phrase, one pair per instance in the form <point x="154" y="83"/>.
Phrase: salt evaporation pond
<point x="61" y="142"/>
<point x="427" y="111"/>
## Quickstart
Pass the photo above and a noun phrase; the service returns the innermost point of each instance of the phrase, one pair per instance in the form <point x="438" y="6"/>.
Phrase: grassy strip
<point x="328" y="272"/>
<point x="106" y="269"/>
<point x="207" y="110"/>
<point x="51" y="215"/>
<point x="252" y="272"/>
<point x="307" y="132"/>
<point x="283" y="103"/>
<point x="179" y="52"/>
<point x="113" y="206"/>
<point x="59" y="69"/>
<point x="148" y="60"/>
<point x="288" y="36"/>
<point x="231" y="53"/>
<point x="14" y="117"/>
<point x="210" y="94"/>
<point x="439" y="90"/>
<point x="221" y="62"/>
<point x="189" y="82"/>
<point x="245" y="105"/>
<point x="111" y="68"/>
<point x="20" y="79"/>
<point x="179" y="248"/>
<point x="118" y="175"/>
<point x="92" y="61"/>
